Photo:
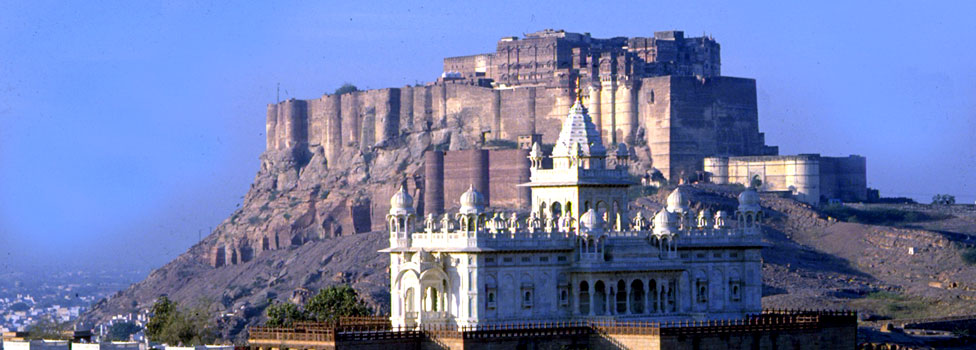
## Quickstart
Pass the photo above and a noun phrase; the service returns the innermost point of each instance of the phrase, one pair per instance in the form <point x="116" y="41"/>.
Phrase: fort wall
<point x="681" y="119"/>
<point x="687" y="119"/>
<point x="811" y="178"/>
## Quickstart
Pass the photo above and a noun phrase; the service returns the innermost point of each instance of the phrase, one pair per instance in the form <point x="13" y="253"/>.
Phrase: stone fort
<point x="661" y="98"/>
<point x="664" y="92"/>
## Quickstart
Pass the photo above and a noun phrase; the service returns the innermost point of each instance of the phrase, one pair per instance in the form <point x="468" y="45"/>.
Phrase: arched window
<point x="672" y="298"/>
<point x="602" y="209"/>
<point x="543" y="210"/>
<point x="599" y="298"/>
<point x="556" y="210"/>
<point x="408" y="300"/>
<point x="621" y="297"/>
<point x="569" y="209"/>
<point x="637" y="297"/>
<point x="584" y="298"/>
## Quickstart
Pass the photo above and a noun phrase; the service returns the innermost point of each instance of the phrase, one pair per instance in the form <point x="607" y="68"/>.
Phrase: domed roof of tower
<point x="536" y="151"/>
<point x="678" y="199"/>
<point x="401" y="202"/>
<point x="665" y="221"/>
<point x="578" y="128"/>
<point x="591" y="222"/>
<point x="472" y="201"/>
<point x="749" y="200"/>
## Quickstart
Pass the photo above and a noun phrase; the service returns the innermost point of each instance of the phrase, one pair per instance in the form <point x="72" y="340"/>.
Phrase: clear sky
<point x="130" y="128"/>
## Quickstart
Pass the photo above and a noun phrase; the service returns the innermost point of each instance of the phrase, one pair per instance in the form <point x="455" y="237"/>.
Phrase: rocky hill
<point x="297" y="231"/>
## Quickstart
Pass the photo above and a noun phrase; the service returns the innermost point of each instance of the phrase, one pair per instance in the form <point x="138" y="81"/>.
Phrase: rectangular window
<point x="507" y="259"/>
<point x="526" y="259"/>
<point x="700" y="255"/>
<point x="561" y="258"/>
<point x="717" y="255"/>
<point x="733" y="255"/>
<point x="684" y="255"/>
<point x="543" y="259"/>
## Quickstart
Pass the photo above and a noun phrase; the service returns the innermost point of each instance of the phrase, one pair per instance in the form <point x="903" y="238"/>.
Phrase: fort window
<point x="543" y="259"/>
<point x="507" y="259"/>
<point x="526" y="259"/>
<point x="734" y="291"/>
<point x="561" y="259"/>
<point x="527" y="299"/>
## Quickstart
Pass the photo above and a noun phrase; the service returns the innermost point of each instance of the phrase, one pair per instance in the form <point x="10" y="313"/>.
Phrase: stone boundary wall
<point x="773" y="329"/>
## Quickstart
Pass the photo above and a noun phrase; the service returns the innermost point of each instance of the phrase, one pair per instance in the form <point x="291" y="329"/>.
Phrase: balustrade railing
<point x="767" y="320"/>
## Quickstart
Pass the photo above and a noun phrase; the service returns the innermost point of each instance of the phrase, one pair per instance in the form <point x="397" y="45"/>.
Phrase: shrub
<point x="876" y="216"/>
<point x="969" y="256"/>
<point x="328" y="305"/>
<point x="345" y="89"/>
<point x="254" y="220"/>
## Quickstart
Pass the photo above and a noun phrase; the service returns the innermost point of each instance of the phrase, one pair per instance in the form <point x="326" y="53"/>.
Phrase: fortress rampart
<point x="681" y="119"/>
<point x="663" y="96"/>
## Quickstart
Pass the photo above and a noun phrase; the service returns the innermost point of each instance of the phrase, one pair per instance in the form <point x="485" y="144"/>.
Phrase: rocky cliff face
<point x="308" y="221"/>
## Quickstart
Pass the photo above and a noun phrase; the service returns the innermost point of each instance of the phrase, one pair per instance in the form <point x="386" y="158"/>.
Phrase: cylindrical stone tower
<point x="719" y="168"/>
<point x="433" y="182"/>
<point x="271" y="127"/>
<point x="478" y="159"/>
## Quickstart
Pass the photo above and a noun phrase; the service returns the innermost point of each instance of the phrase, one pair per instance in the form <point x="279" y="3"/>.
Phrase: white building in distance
<point x="578" y="255"/>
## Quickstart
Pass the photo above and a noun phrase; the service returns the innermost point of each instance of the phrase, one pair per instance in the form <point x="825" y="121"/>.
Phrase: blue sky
<point x="130" y="129"/>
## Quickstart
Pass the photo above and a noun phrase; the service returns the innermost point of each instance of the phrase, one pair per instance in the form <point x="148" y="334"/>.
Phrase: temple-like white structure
<point x="578" y="254"/>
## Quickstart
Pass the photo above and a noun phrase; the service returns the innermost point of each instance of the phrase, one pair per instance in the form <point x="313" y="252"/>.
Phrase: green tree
<point x="944" y="199"/>
<point x="162" y="311"/>
<point x="122" y="331"/>
<point x="284" y="314"/>
<point x="48" y="328"/>
<point x="175" y="325"/>
<point x="335" y="301"/>
<point x="345" y="89"/>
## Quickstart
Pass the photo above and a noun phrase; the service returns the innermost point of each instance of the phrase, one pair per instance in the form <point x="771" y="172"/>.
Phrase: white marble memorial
<point x="578" y="254"/>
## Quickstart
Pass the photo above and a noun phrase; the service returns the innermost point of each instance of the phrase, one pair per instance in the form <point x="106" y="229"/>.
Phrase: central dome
<point x="678" y="199"/>
<point x="401" y="202"/>
<point x="591" y="222"/>
<point x="749" y="200"/>
<point x="472" y="201"/>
